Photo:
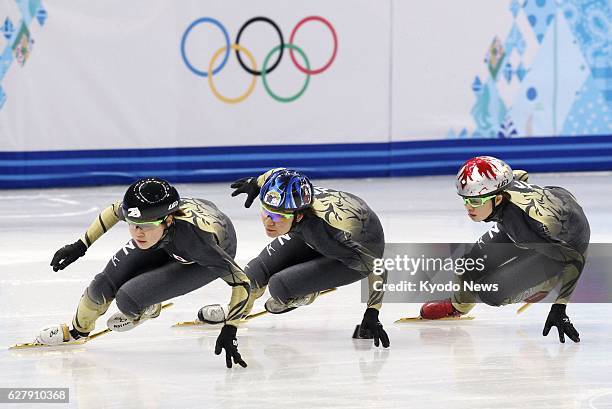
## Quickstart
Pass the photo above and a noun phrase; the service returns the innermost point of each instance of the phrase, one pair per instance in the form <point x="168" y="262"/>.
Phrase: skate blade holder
<point x="419" y="319"/>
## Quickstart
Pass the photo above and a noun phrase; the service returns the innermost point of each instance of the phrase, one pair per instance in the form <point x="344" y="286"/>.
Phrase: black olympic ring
<point x="280" y="35"/>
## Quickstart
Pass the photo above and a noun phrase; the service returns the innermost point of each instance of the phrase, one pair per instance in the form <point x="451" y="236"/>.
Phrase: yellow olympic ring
<point x="235" y="47"/>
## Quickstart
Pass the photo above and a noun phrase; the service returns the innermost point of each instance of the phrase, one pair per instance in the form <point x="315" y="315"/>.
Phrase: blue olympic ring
<point x="227" y="45"/>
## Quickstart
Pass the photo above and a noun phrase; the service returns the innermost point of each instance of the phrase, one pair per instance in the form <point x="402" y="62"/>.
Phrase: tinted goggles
<point x="146" y="225"/>
<point x="275" y="216"/>
<point x="477" y="201"/>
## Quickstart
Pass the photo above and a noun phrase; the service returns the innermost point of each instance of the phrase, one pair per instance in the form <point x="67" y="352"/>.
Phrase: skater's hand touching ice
<point x="227" y="340"/>
<point x="68" y="255"/>
<point x="558" y="318"/>
<point x="372" y="328"/>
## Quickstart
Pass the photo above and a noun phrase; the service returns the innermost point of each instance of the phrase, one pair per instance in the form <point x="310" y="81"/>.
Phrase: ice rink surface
<point x="306" y="358"/>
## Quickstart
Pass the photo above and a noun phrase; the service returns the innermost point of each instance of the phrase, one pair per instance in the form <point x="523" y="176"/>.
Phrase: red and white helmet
<point x="483" y="175"/>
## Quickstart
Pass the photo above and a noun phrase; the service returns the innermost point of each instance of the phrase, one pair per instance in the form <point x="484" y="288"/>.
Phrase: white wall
<point x="438" y="49"/>
<point x="109" y="74"/>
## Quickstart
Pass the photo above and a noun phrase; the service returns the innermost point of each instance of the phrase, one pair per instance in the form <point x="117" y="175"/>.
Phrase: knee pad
<point x="101" y="289"/>
<point x="127" y="305"/>
<point x="278" y="289"/>
<point x="492" y="299"/>
<point x="495" y="298"/>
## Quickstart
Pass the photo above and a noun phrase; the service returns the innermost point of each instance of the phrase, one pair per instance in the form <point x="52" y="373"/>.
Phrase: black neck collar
<point x="498" y="211"/>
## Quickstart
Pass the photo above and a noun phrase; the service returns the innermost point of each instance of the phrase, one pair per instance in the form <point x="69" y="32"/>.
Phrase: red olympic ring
<point x="333" y="57"/>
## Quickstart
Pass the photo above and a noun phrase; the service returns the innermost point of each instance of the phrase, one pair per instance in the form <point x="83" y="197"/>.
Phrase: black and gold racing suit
<point x="197" y="248"/>
<point x="334" y="244"/>
<point x="539" y="242"/>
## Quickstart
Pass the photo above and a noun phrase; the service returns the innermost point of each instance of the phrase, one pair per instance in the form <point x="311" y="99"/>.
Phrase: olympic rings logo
<point x="267" y="67"/>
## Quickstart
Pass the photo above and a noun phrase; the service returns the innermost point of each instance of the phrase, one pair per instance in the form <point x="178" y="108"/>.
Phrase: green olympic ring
<point x="265" y="78"/>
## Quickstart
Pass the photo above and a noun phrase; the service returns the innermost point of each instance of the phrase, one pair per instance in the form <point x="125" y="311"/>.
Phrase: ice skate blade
<point x="195" y="323"/>
<point x="27" y="345"/>
<point x="79" y="341"/>
<point x="198" y="323"/>
<point x="419" y="319"/>
<point x="523" y="308"/>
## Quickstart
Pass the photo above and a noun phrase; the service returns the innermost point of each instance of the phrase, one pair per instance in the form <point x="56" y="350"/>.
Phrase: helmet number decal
<point x="134" y="212"/>
<point x="173" y="205"/>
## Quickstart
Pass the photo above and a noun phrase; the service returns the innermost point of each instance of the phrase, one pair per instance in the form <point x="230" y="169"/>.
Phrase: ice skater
<point x="539" y="242"/>
<point x="323" y="239"/>
<point x="177" y="246"/>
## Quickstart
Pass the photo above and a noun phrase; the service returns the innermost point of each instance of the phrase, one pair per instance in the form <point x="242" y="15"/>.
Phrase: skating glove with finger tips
<point x="68" y="255"/>
<point x="227" y="340"/>
<point x="558" y="318"/>
<point x="248" y="186"/>
<point x="372" y="328"/>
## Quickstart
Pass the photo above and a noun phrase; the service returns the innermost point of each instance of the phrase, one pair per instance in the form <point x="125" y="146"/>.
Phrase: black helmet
<point x="149" y="199"/>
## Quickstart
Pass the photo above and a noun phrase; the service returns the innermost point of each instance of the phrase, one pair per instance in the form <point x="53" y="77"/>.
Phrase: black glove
<point x="68" y="255"/>
<point x="558" y="318"/>
<point x="372" y="328"/>
<point x="227" y="340"/>
<point x="248" y="186"/>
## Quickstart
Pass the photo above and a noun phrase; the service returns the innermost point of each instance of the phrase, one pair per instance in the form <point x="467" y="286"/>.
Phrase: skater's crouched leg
<point x="518" y="279"/>
<point x="280" y="288"/>
<point x="258" y="273"/>
<point x="102" y="289"/>
<point x="128" y="304"/>
<point x="311" y="277"/>
<point x="88" y="311"/>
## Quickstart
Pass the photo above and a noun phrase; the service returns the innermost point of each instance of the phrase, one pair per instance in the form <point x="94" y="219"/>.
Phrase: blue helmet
<point x="287" y="190"/>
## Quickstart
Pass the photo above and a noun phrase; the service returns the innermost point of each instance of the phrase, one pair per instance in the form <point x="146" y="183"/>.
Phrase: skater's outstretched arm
<point x="241" y="290"/>
<point x="103" y="223"/>
<point x="375" y="283"/>
<point x="251" y="186"/>
<point x="72" y="252"/>
<point x="208" y="253"/>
